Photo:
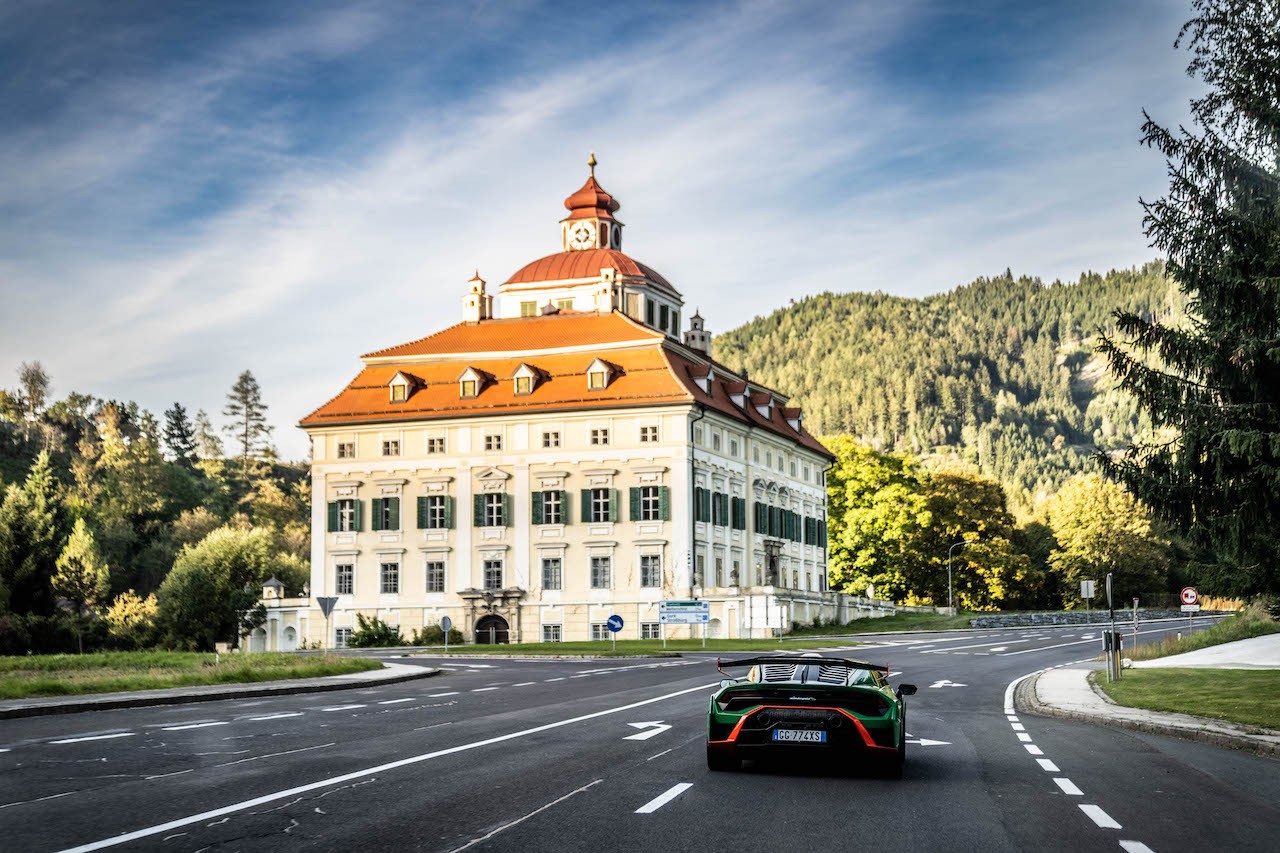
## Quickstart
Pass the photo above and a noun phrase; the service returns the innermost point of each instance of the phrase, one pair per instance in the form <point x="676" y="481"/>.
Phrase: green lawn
<point x="896" y="622"/>
<point x="108" y="672"/>
<point x="1249" y="696"/>
<point x="629" y="648"/>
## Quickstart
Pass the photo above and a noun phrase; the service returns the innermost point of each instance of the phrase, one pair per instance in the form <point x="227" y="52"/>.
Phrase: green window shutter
<point x="507" y="520"/>
<point x="333" y="516"/>
<point x="664" y="503"/>
<point x="357" y="520"/>
<point x="759" y="519"/>
<point x="448" y="512"/>
<point x="477" y="519"/>
<point x="422" y="513"/>
<point x="697" y="503"/>
<point x="535" y="507"/>
<point x="704" y="504"/>
<point x="614" y="501"/>
<point x="564" y="508"/>
<point x="375" y="506"/>
<point x="634" y="502"/>
<point x="775" y="521"/>
<point x="586" y="505"/>
<point x="395" y="513"/>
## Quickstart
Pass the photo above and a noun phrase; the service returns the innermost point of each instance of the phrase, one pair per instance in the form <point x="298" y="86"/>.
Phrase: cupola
<point x="590" y="223"/>
<point x="479" y="304"/>
<point x="697" y="337"/>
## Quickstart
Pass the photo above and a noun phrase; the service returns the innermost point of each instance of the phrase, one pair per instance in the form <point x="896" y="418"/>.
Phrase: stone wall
<point x="1078" y="617"/>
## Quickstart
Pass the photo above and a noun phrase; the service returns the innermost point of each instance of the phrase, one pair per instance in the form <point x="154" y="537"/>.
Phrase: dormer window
<point x="471" y="383"/>
<point x="599" y="375"/>
<point x="401" y="386"/>
<point x="469" y="387"/>
<point x="525" y="379"/>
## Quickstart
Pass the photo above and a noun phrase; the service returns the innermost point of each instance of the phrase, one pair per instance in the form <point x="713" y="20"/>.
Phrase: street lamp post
<point x="951" y="599"/>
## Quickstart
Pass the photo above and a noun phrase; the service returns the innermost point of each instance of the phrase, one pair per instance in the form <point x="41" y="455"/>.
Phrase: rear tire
<point x="893" y="767"/>
<point x="720" y="762"/>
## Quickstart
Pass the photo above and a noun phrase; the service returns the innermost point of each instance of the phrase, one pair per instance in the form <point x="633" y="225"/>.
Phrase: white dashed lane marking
<point x="664" y="798"/>
<point x="191" y="726"/>
<point x="1068" y="787"/>
<point x="275" y="716"/>
<point x="1101" y="818"/>
<point x="483" y="689"/>
<point x="1135" y="847"/>
<point x="91" y="737"/>
<point x="343" y="708"/>
<point x="1033" y="749"/>
<point x="1047" y="765"/>
<point x="395" y="701"/>
<point x="1024" y="737"/>
<point x="438" y="695"/>
<point x="524" y="684"/>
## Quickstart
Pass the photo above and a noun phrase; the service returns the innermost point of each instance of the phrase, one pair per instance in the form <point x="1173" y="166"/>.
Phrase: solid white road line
<point x="396" y="701"/>
<point x="167" y="775"/>
<point x="1008" y="691"/>
<point x="1135" y="847"/>
<point x="127" y="837"/>
<point x="1047" y="765"/>
<point x="1101" y="818"/>
<point x="664" y="798"/>
<point x="274" y="754"/>
<point x="191" y="726"/>
<point x="275" y="716"/>
<point x="1033" y="749"/>
<point x="38" y="799"/>
<point x="526" y="817"/>
<point x="92" y="737"/>
<point x="343" y="707"/>
<point x="1069" y="787"/>
<point x="438" y="695"/>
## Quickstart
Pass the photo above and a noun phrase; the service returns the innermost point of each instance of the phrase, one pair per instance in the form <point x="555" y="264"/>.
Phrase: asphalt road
<point x="532" y="755"/>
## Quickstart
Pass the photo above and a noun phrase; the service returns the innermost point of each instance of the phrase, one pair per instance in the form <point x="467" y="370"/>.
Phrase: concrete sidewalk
<point x="1068" y="692"/>
<point x="391" y="673"/>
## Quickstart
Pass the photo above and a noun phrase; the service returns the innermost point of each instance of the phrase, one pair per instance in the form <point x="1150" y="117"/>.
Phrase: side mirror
<point x="906" y="690"/>
<point x="727" y="682"/>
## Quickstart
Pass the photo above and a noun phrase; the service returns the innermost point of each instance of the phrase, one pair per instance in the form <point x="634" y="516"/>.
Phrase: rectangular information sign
<point x="684" y="612"/>
<point x="1190" y="608"/>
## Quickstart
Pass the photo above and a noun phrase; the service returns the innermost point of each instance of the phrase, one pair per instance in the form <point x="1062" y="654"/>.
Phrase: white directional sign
<point x="656" y="727"/>
<point x="945" y="683"/>
<point x="684" y="612"/>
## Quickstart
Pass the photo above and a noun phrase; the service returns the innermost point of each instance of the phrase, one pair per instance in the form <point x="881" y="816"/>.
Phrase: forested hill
<point x="1000" y="371"/>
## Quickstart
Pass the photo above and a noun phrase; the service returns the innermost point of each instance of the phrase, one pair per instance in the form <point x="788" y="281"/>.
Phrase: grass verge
<point x="110" y="672"/>
<point x="896" y="622"/>
<point x="1252" y="621"/>
<point x="1247" y="696"/>
<point x="627" y="648"/>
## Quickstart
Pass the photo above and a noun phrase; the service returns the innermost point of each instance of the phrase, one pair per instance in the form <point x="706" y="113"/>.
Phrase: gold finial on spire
<point x="591" y="163"/>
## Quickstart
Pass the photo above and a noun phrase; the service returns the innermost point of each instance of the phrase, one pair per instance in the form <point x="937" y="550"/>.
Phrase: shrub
<point x="432" y="635"/>
<point x="374" y="633"/>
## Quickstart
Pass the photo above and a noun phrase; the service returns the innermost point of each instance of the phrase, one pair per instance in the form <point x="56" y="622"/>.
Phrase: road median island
<point x="625" y="648"/>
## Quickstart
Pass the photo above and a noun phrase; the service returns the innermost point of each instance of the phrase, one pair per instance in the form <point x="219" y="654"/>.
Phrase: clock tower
<point x="590" y="223"/>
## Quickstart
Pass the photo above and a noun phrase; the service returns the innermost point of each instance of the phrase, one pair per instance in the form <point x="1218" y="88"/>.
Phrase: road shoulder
<point x="1069" y="693"/>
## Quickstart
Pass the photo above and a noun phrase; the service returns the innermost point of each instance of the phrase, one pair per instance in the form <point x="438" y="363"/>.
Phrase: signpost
<point x="1190" y="604"/>
<point x="614" y="624"/>
<point x="684" y="613"/>
<point x="1113" y="641"/>
<point x="326" y="607"/>
<point x="446" y="625"/>
<point x="1086" y="592"/>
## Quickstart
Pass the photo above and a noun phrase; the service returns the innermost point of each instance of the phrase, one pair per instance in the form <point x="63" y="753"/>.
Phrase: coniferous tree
<point x="31" y="532"/>
<point x="208" y="445"/>
<point x="82" y="578"/>
<point x="1214" y="384"/>
<point x="180" y="436"/>
<point x="248" y="425"/>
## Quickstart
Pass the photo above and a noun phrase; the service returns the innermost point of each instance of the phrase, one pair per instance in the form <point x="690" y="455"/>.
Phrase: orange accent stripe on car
<point x="862" y="730"/>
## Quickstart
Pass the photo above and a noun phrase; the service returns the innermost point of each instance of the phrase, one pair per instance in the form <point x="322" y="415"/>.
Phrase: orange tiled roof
<point x="653" y="371"/>
<point x="587" y="263"/>
<point x="522" y="334"/>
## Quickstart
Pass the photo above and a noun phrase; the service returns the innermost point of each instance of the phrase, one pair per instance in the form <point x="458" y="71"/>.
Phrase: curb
<point x="177" y="697"/>
<point x="1182" y="726"/>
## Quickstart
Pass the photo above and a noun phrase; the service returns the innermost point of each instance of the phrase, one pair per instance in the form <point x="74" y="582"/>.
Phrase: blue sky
<point x="195" y="189"/>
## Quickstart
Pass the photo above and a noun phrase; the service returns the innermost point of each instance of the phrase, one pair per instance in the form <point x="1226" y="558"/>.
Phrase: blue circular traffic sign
<point x="614" y="624"/>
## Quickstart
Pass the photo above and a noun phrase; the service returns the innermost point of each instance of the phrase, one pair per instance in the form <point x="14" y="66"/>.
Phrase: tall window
<point x="648" y="435"/>
<point x="664" y="315"/>
<point x="435" y="516"/>
<point x="551" y="438"/>
<point x="699" y="570"/>
<point x="390" y="579"/>
<point x="651" y="630"/>
<point x="386" y="513"/>
<point x="344" y="578"/>
<point x="551" y="634"/>
<point x="733" y="447"/>
<point x="721" y="580"/>
<point x="435" y="575"/>
<point x="493" y="506"/>
<point x="715" y="441"/>
<point x="391" y="447"/>
<point x="346" y="515"/>
<point x="493" y="442"/>
<point x="549" y="509"/>
<point x="346" y="449"/>
<point x="601" y="572"/>
<point x="552" y="573"/>
<point x="435" y="445"/>
<point x="341" y="637"/>
<point x="600" y="436"/>
<point x="650" y="505"/>
<point x="601" y="505"/>
<point x="493" y="574"/>
<point x="650" y="570"/>
<point x="529" y="308"/>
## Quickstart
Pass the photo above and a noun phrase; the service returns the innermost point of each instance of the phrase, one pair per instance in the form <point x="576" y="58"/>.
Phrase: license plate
<point x="799" y="736"/>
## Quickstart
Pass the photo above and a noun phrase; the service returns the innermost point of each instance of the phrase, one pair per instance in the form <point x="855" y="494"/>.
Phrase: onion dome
<point x="591" y="201"/>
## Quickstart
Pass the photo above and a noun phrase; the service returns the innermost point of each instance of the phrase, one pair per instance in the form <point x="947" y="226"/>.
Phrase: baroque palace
<point x="563" y="454"/>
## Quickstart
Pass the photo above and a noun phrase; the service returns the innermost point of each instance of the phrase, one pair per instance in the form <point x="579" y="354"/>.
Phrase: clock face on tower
<point x="582" y="236"/>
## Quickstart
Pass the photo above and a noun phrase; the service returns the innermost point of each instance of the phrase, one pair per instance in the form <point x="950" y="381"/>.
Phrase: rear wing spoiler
<point x="804" y="661"/>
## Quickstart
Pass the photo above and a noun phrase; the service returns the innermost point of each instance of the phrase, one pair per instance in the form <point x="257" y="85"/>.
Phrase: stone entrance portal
<point x="492" y="629"/>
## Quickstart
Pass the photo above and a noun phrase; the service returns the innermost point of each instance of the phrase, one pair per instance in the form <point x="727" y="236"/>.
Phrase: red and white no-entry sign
<point x="1189" y="595"/>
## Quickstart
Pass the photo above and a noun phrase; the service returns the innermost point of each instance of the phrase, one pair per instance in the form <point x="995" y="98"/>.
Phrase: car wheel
<point x="893" y="767"/>
<point x="719" y="761"/>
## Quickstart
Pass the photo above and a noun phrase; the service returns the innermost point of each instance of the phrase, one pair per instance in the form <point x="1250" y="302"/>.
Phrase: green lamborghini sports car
<point x="809" y="707"/>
